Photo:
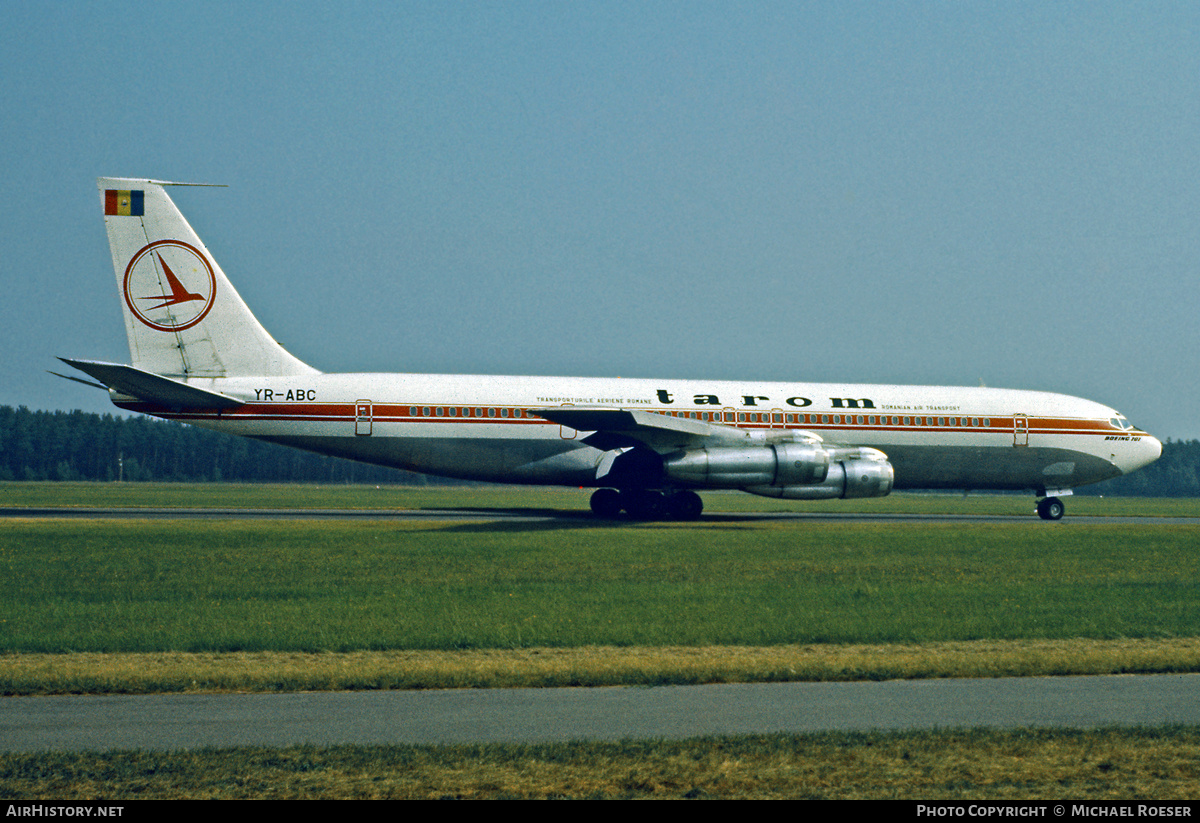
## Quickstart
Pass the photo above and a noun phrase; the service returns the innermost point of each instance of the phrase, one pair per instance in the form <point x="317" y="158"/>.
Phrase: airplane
<point x="198" y="355"/>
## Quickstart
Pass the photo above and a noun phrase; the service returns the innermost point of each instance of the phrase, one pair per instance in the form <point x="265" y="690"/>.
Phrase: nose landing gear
<point x="1051" y="508"/>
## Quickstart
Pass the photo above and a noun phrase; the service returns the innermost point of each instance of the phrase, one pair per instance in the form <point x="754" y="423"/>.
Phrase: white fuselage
<point x="488" y="428"/>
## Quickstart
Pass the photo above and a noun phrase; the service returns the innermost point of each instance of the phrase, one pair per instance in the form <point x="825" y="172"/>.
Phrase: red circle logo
<point x="169" y="285"/>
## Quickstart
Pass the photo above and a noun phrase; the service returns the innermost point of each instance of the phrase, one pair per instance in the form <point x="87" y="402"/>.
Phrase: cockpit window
<point x="1121" y="423"/>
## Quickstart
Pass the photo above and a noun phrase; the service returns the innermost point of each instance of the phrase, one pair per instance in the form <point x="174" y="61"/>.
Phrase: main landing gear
<point x="1051" y="508"/>
<point x="647" y="504"/>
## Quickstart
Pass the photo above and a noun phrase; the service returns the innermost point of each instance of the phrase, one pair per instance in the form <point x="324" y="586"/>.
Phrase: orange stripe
<point x="400" y="412"/>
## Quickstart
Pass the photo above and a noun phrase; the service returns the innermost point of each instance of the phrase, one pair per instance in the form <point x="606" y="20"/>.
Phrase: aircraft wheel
<point x="643" y="504"/>
<point x="1051" y="508"/>
<point x="685" y="505"/>
<point x="606" y="502"/>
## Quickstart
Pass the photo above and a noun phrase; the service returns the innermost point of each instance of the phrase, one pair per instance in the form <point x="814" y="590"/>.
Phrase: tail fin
<point x="182" y="316"/>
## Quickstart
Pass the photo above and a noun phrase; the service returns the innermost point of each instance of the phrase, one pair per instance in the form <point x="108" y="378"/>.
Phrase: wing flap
<point x="623" y="428"/>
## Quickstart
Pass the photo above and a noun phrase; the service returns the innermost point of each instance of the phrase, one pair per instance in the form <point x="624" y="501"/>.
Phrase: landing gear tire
<point x="643" y="504"/>
<point x="606" y="502"/>
<point x="647" y="504"/>
<point x="685" y="505"/>
<point x="1051" y="508"/>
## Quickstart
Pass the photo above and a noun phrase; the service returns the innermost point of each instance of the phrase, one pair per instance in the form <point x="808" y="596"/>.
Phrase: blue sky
<point x="941" y="193"/>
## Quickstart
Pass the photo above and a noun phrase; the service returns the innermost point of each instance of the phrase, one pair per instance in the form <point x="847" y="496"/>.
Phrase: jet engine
<point x="797" y="471"/>
<point x="782" y="464"/>
<point x="855" y="477"/>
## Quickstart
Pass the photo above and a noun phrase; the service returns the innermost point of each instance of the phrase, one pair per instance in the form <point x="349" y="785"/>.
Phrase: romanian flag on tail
<point x="124" y="203"/>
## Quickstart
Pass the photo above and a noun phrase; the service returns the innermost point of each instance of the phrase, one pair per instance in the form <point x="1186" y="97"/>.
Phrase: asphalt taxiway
<point x="171" y="722"/>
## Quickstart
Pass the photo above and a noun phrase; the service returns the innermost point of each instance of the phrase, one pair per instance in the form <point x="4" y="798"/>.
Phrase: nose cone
<point x="1137" y="453"/>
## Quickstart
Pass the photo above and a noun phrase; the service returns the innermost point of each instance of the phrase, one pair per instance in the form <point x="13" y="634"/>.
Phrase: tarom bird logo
<point x="178" y="293"/>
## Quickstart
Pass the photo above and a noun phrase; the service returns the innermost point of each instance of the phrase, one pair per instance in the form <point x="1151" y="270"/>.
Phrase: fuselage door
<point x="1020" y="430"/>
<point x="362" y="417"/>
<point x="566" y="432"/>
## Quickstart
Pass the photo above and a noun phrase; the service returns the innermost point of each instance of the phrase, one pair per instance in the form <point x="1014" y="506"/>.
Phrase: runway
<point x="544" y="516"/>
<point x="172" y="722"/>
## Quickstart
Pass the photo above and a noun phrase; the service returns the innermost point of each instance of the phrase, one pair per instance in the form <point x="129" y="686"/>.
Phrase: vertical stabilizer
<point x="182" y="316"/>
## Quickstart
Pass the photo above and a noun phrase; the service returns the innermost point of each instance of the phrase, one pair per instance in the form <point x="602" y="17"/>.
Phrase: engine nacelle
<point x="867" y="476"/>
<point x="782" y="465"/>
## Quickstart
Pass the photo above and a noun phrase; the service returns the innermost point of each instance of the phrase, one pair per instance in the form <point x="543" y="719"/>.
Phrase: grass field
<point x="1142" y="764"/>
<point x="326" y="585"/>
<point x="137" y="605"/>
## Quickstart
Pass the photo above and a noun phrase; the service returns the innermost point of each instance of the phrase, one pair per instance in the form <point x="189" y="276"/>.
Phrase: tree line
<point x="77" y="445"/>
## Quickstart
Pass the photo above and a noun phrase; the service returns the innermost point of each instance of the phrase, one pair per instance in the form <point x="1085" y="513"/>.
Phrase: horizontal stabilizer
<point x="152" y="387"/>
<point x="79" y="380"/>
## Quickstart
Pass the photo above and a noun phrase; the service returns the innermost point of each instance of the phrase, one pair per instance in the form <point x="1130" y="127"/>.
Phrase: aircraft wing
<point x="152" y="387"/>
<point x="624" y="428"/>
